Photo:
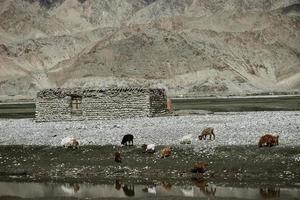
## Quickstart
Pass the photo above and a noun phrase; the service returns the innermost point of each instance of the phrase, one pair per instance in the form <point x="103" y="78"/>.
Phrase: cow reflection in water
<point x="76" y="187"/>
<point x="70" y="188"/>
<point x="118" y="185"/>
<point x="188" y="191"/>
<point x="269" y="193"/>
<point x="204" y="187"/>
<point x="127" y="189"/>
<point x="167" y="186"/>
<point x="150" y="189"/>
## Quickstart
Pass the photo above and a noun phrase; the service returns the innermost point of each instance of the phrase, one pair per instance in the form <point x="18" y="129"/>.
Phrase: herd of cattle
<point x="267" y="140"/>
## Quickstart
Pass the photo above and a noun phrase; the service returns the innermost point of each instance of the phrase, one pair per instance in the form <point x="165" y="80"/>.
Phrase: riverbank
<point x="234" y="172"/>
<point x="31" y="152"/>
<point x="229" y="165"/>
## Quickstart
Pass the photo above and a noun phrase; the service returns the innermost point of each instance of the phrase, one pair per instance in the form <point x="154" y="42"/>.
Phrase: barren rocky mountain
<point x="189" y="47"/>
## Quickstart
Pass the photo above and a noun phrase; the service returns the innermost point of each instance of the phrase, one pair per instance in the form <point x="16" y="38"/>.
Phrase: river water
<point x="214" y="104"/>
<point x="121" y="190"/>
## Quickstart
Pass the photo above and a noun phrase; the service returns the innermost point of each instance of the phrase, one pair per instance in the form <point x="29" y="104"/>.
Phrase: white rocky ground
<point x="244" y="128"/>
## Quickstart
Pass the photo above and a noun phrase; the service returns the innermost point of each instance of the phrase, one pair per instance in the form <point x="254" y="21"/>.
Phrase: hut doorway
<point x="76" y="105"/>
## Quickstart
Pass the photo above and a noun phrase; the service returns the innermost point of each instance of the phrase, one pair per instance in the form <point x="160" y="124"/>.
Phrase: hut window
<point x="76" y="104"/>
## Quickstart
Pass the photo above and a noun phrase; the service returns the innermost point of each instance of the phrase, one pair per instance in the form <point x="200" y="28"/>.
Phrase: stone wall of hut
<point x="98" y="104"/>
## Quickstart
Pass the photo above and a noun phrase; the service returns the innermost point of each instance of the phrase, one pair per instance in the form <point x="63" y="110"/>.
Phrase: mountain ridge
<point x="189" y="47"/>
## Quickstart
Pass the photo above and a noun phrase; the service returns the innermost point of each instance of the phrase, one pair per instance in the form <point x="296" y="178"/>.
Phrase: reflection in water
<point x="128" y="190"/>
<point x="188" y="192"/>
<point x="150" y="189"/>
<point x="205" y="188"/>
<point x="199" y="188"/>
<point x="70" y="188"/>
<point x="270" y="193"/>
<point x="118" y="185"/>
<point x="167" y="186"/>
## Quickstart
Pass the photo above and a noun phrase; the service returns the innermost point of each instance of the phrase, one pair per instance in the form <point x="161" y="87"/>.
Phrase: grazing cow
<point x="187" y="139"/>
<point x="165" y="152"/>
<point x="117" y="156"/>
<point x="127" y="139"/>
<point x="200" y="167"/>
<point x="207" y="131"/>
<point x="149" y="148"/>
<point x="170" y="107"/>
<point x="70" y="143"/>
<point x="268" y="140"/>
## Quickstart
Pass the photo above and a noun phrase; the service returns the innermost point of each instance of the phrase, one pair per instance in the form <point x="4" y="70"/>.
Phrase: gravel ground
<point x="236" y="128"/>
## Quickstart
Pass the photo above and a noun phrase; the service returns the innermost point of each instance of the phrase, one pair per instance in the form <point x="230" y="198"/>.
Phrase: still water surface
<point x="230" y="104"/>
<point x="119" y="190"/>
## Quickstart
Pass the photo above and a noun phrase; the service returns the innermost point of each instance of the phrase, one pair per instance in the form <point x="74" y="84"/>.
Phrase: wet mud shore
<point x="239" y="165"/>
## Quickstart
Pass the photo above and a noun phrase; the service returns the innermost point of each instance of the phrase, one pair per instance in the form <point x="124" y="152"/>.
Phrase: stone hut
<point x="98" y="104"/>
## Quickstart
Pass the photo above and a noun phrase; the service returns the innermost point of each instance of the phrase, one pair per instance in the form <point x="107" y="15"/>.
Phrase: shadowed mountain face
<point x="189" y="47"/>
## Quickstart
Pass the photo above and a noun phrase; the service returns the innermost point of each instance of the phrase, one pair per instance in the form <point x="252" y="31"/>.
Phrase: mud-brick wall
<point x="158" y="100"/>
<point x="115" y="103"/>
<point x="55" y="105"/>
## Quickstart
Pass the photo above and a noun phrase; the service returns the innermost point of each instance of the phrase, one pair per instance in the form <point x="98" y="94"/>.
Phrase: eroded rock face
<point x="189" y="47"/>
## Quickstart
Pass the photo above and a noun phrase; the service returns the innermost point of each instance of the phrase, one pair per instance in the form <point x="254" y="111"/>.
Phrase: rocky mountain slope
<point x="189" y="47"/>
